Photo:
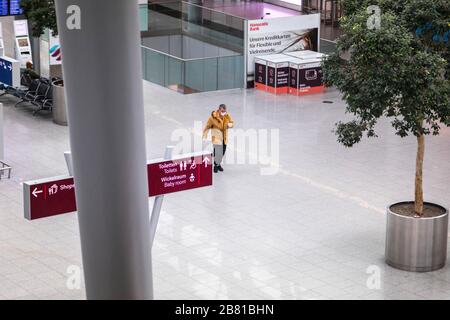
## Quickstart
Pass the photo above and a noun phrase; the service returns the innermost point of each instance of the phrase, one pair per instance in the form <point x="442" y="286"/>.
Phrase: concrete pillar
<point x="102" y="76"/>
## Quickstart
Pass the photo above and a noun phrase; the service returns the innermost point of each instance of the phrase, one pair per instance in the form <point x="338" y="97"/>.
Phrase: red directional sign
<point x="50" y="197"/>
<point x="181" y="174"/>
<point x="54" y="196"/>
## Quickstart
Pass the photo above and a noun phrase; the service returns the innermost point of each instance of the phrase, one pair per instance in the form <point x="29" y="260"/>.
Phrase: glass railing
<point x="190" y="48"/>
<point x="327" y="46"/>
<point x="192" y="75"/>
<point x="164" y="17"/>
<point x="188" y="18"/>
<point x="214" y="26"/>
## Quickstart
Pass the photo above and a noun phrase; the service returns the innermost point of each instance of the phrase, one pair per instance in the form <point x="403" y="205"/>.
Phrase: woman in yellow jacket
<point x="219" y="122"/>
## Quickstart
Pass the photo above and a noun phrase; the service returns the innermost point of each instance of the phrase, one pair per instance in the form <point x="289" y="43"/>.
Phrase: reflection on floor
<point x="310" y="230"/>
<point x="329" y="32"/>
<point x="182" y="89"/>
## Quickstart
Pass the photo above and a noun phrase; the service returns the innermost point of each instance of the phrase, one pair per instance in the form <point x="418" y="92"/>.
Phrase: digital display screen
<point x="4" y="8"/>
<point x="23" y="42"/>
<point x="14" y="7"/>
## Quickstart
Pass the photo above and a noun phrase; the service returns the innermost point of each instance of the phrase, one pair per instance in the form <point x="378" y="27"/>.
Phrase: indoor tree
<point x="398" y="69"/>
<point x="41" y="14"/>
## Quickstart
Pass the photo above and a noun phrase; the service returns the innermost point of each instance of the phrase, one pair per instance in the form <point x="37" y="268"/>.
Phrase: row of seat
<point x="39" y="93"/>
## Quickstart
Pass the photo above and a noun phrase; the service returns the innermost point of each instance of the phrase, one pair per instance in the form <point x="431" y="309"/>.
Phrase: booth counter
<point x="296" y="73"/>
<point x="310" y="75"/>
<point x="306" y="74"/>
<point x="305" y="54"/>
<point x="272" y="73"/>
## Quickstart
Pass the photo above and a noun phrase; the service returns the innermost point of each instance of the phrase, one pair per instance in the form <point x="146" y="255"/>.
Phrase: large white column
<point x="102" y="72"/>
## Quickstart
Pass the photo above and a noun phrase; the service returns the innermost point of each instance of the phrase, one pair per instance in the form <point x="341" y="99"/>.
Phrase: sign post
<point x="68" y="158"/>
<point x="157" y="205"/>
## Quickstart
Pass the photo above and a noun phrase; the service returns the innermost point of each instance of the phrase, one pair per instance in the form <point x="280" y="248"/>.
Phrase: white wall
<point x="9" y="37"/>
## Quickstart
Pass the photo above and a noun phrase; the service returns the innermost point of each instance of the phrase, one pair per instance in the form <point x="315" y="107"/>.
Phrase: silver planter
<point x="416" y="244"/>
<point x="59" y="103"/>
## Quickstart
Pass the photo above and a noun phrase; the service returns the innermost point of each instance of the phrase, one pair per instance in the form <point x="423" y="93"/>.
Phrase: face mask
<point x="223" y="114"/>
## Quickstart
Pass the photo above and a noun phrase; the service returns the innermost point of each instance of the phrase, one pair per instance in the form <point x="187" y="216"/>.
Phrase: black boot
<point x="216" y="168"/>
<point x="220" y="168"/>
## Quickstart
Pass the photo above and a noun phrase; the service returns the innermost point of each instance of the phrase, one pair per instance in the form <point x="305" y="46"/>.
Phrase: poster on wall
<point x="21" y="27"/>
<point x="280" y="35"/>
<point x="55" y="50"/>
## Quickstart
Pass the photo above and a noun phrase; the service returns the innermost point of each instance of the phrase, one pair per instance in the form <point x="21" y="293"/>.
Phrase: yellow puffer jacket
<point x="219" y="128"/>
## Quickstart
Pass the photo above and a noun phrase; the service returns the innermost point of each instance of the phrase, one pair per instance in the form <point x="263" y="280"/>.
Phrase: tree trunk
<point x="418" y="201"/>
<point x="36" y="53"/>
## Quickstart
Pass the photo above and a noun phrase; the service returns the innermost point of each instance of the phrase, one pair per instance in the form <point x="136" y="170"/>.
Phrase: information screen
<point x="14" y="7"/>
<point x="4" y="8"/>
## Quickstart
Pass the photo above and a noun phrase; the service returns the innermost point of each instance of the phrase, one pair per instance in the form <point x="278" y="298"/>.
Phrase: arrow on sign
<point x="36" y="192"/>
<point x="206" y="161"/>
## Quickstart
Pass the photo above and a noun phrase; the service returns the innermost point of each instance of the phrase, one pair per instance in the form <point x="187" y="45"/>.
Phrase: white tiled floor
<point x="308" y="232"/>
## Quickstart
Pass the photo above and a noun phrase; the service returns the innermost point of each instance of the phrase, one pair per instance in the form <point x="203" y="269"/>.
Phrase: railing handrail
<point x="193" y="59"/>
<point x="163" y="53"/>
<point x="225" y="14"/>
<point x="327" y="40"/>
<point x="197" y="5"/>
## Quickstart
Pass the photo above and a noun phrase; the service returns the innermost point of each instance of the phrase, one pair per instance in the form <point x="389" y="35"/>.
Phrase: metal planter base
<point x="59" y="103"/>
<point x="416" y="244"/>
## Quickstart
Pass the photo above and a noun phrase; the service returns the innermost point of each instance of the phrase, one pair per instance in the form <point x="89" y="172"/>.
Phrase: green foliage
<point x="41" y="14"/>
<point x="352" y="7"/>
<point x="393" y="71"/>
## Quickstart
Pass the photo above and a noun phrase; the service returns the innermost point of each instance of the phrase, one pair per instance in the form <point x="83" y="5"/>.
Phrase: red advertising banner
<point x="55" y="196"/>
